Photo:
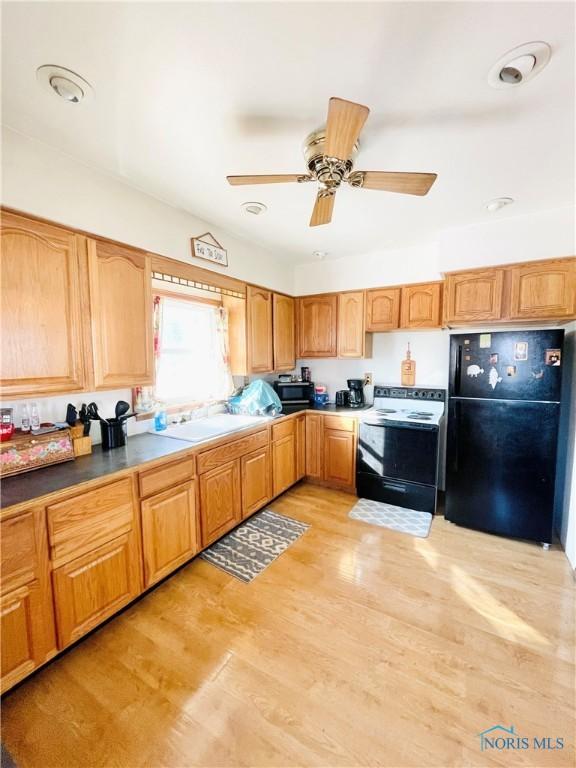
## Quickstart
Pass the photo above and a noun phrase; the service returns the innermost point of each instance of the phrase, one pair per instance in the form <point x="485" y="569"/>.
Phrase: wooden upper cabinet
<point x="351" y="336"/>
<point x="543" y="290"/>
<point x="473" y="295"/>
<point x="284" y="333"/>
<point x="420" y="305"/>
<point x="40" y="309"/>
<point x="259" y="330"/>
<point x="383" y="309"/>
<point x="317" y="317"/>
<point x="121" y="309"/>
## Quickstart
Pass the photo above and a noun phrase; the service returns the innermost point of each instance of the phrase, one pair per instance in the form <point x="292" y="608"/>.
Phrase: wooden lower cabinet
<point x="169" y="531"/>
<point x="339" y="459"/>
<point x="26" y="608"/>
<point x="300" y="446"/>
<point x="220" y="501"/>
<point x="314" y="434"/>
<point x="256" y="480"/>
<point x="283" y="463"/>
<point x="96" y="585"/>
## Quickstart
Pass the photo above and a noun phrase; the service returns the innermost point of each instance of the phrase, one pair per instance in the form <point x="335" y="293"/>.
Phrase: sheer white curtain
<point x="193" y="353"/>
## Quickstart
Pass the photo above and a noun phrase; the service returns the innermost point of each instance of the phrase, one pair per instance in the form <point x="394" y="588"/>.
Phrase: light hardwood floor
<point x="357" y="647"/>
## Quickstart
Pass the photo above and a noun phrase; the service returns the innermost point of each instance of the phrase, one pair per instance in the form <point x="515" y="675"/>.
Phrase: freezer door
<point x="501" y="459"/>
<point x="508" y="365"/>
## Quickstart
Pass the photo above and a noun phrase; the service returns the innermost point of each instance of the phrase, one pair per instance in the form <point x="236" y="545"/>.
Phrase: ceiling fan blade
<point x="323" y="207"/>
<point x="405" y="183"/>
<point x="343" y="126"/>
<point x="278" y="178"/>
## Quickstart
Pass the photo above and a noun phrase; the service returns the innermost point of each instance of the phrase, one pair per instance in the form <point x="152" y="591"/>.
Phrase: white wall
<point x="39" y="180"/>
<point x="543" y="235"/>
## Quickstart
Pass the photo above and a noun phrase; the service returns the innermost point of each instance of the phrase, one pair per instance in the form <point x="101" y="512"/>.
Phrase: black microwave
<point x="295" y="392"/>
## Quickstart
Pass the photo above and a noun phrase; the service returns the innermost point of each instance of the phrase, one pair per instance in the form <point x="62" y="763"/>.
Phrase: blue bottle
<point x="160" y="420"/>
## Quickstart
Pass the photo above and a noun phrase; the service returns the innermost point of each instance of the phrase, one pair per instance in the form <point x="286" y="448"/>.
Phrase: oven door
<point x="399" y="451"/>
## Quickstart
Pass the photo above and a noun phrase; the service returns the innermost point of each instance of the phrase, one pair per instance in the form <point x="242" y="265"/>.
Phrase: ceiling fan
<point x="330" y="155"/>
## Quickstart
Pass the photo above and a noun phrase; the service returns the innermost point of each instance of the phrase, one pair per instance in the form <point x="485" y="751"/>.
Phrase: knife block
<point x="82" y="445"/>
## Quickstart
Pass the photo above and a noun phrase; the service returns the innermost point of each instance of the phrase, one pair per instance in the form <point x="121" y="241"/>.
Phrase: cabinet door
<point x="543" y="290"/>
<point x="351" y="334"/>
<point x="317" y="326"/>
<point x="168" y="531"/>
<point x="26" y="608"/>
<point x="259" y="328"/>
<point x="472" y="296"/>
<point x="383" y="309"/>
<point x="95" y="586"/>
<point x="283" y="463"/>
<point x="220" y="502"/>
<point x="339" y="457"/>
<point x="300" y="446"/>
<point x="121" y="309"/>
<point x="314" y="436"/>
<point x="420" y="306"/>
<point x="256" y="480"/>
<point x="284" y="332"/>
<point x="42" y="342"/>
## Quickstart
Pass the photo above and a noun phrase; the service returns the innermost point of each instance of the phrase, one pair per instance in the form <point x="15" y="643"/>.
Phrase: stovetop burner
<point x="385" y="410"/>
<point x="420" y="416"/>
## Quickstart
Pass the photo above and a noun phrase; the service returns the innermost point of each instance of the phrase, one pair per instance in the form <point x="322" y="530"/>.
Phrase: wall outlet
<point x="368" y="380"/>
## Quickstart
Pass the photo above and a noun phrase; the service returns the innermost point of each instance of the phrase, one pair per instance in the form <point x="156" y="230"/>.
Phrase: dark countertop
<point x="39" y="482"/>
<point x="139" y="449"/>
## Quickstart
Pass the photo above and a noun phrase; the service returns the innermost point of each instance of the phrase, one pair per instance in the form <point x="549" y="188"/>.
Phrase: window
<point x="192" y="362"/>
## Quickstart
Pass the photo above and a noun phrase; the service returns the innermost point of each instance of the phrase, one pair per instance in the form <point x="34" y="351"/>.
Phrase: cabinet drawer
<point x="19" y="556"/>
<point x="89" y="520"/>
<point x="93" y="587"/>
<point x="344" y="423"/>
<point x="225" y="453"/>
<point x="166" y="476"/>
<point x="284" y="429"/>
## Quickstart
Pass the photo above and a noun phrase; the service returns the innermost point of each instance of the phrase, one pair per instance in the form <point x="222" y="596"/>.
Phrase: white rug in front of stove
<point x="390" y="516"/>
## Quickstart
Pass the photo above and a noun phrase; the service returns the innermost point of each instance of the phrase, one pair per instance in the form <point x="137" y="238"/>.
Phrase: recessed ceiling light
<point x="519" y="65"/>
<point x="254" y="208"/>
<point x="320" y="254"/>
<point x="497" y="203"/>
<point x="66" y="84"/>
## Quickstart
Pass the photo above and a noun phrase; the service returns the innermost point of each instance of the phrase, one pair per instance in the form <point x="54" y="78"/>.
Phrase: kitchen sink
<point x="211" y="426"/>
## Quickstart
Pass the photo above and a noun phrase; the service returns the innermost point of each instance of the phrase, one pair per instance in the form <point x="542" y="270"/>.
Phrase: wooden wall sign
<point x="207" y="247"/>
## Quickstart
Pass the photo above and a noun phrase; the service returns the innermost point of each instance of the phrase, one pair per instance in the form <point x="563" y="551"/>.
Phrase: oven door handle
<point x="394" y="487"/>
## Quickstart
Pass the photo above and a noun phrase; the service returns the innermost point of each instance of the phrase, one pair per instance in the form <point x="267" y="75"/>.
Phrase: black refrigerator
<point x="503" y="421"/>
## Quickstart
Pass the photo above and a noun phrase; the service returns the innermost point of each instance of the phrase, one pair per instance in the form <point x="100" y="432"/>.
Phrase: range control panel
<point x="411" y="393"/>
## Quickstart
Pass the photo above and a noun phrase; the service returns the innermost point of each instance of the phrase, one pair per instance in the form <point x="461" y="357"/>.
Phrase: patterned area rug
<point x="250" y="548"/>
<point x="389" y="516"/>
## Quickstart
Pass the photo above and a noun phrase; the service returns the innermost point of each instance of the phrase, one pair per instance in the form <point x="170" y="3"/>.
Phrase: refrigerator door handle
<point x="458" y="369"/>
<point x="453" y="421"/>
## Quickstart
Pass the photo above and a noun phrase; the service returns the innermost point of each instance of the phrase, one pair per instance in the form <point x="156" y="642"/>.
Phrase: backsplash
<point x="54" y="408"/>
<point x="430" y="351"/>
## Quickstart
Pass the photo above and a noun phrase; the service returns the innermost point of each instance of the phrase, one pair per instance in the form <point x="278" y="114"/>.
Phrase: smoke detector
<point x="499" y="202"/>
<point x="64" y="83"/>
<point x="254" y="208"/>
<point x="519" y="65"/>
<point x="321" y="255"/>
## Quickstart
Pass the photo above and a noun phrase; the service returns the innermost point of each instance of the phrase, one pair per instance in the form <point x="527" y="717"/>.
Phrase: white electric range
<point x="398" y="447"/>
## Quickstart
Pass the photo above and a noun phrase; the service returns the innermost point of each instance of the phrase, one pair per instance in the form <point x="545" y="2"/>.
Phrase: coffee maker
<point x="356" y="388"/>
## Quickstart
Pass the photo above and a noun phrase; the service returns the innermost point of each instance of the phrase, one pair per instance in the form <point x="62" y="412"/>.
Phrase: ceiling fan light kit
<point x="330" y="154"/>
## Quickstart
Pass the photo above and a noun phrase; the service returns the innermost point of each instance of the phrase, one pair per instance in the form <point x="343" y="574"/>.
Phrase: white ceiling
<point x="185" y="93"/>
